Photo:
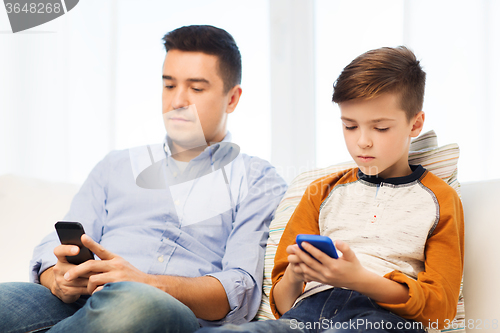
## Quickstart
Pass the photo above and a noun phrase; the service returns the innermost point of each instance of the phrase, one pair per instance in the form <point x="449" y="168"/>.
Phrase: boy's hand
<point x="346" y="271"/>
<point x="295" y="262"/>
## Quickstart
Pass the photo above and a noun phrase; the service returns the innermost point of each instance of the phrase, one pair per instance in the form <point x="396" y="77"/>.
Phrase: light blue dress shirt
<point x="212" y="219"/>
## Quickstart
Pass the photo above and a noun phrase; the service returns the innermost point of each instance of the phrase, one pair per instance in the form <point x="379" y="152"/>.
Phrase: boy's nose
<point x="364" y="141"/>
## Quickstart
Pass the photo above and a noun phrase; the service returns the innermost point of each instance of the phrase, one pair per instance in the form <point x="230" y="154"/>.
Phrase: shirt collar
<point x="417" y="172"/>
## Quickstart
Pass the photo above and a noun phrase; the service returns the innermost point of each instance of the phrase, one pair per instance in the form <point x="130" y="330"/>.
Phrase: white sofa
<point x="30" y="207"/>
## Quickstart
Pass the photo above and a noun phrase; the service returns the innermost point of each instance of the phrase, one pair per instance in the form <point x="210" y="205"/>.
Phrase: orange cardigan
<point x="435" y="289"/>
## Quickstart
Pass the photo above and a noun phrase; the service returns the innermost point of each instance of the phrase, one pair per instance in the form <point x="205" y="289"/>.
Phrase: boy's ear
<point x="417" y="124"/>
<point x="233" y="98"/>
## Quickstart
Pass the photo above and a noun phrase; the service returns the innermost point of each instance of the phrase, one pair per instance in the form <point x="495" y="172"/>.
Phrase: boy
<point x="399" y="227"/>
<point x="182" y="241"/>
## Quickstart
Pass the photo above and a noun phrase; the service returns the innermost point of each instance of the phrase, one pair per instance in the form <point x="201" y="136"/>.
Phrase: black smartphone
<point x="70" y="233"/>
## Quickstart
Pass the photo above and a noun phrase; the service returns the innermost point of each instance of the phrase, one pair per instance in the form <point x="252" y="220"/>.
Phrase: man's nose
<point x="180" y="99"/>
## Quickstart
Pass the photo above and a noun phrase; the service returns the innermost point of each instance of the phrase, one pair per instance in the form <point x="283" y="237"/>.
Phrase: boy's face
<point x="378" y="134"/>
<point x="192" y="78"/>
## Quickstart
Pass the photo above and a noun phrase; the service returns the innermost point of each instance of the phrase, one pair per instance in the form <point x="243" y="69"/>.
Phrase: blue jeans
<point x="333" y="310"/>
<point x="118" y="307"/>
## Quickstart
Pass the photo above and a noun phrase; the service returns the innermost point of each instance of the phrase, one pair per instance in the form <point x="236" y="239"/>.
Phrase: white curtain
<point x="458" y="43"/>
<point x="88" y="82"/>
<point x="56" y="107"/>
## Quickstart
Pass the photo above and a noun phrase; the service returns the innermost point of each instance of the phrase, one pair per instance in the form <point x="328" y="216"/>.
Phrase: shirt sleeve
<point x="87" y="207"/>
<point x="434" y="294"/>
<point x="243" y="261"/>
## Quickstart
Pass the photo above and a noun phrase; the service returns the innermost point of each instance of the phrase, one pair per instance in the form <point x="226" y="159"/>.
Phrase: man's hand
<point x="53" y="278"/>
<point x="111" y="268"/>
<point x="195" y="293"/>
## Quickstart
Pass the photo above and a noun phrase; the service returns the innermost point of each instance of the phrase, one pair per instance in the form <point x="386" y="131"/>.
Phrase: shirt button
<point x="160" y="258"/>
<point x="177" y="202"/>
<point x="175" y="174"/>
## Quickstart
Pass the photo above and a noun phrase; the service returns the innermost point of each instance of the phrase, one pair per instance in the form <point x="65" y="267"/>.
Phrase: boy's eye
<point x="382" y="129"/>
<point x="350" y="128"/>
<point x="197" y="89"/>
<point x="169" y="87"/>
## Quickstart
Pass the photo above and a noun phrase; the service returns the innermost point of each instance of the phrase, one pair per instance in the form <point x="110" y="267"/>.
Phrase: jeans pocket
<point x="337" y="299"/>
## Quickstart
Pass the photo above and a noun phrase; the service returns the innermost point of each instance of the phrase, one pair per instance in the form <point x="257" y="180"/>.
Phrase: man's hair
<point x="384" y="70"/>
<point x="212" y="41"/>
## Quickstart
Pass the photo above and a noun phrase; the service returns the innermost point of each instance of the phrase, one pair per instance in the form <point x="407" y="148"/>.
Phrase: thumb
<point x="347" y="253"/>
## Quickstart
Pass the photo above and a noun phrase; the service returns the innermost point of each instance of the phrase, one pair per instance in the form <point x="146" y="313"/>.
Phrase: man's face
<point x="192" y="78"/>
<point x="378" y="134"/>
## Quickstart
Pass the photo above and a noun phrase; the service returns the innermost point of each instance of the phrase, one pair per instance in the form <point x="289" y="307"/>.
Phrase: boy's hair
<point x="213" y="41"/>
<point x="384" y="70"/>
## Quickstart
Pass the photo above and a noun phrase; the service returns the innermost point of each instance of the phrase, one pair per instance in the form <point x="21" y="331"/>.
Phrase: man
<point x="180" y="228"/>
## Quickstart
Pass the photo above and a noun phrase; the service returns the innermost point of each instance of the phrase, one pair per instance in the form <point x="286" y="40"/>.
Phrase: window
<point x="457" y="43"/>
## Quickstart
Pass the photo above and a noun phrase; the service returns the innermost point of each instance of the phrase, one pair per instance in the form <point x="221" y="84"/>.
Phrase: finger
<point x="306" y="257"/>
<point x="86" y="269"/>
<point x="294" y="259"/>
<point x="62" y="251"/>
<point x="291" y="249"/>
<point x="71" y="288"/>
<point x="97" y="248"/>
<point x="98" y="280"/>
<point x="97" y="289"/>
<point x="297" y="270"/>
<point x="76" y="283"/>
<point x="72" y="291"/>
<point x="347" y="253"/>
<point x="308" y="273"/>
<point x="101" y="279"/>
<point x="316" y="253"/>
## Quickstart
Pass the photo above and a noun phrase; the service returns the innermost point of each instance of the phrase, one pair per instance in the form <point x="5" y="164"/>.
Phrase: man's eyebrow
<point x="202" y="80"/>
<point x="194" y="79"/>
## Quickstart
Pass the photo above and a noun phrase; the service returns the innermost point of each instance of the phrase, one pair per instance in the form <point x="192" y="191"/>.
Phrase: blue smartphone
<point x="322" y="243"/>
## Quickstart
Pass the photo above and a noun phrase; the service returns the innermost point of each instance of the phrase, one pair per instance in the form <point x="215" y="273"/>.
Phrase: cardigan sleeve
<point x="434" y="294"/>
<point x="304" y="220"/>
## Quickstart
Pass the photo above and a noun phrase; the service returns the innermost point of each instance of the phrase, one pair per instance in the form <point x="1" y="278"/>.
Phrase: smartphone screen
<point x="70" y="233"/>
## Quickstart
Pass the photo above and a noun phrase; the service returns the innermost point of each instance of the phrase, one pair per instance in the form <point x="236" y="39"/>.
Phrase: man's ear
<point x="233" y="98"/>
<point x="417" y="124"/>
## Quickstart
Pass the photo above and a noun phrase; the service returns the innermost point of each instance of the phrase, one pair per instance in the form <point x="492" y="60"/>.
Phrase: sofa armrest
<point x="481" y="201"/>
